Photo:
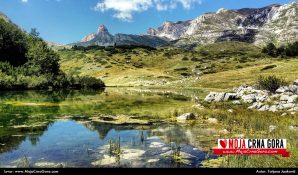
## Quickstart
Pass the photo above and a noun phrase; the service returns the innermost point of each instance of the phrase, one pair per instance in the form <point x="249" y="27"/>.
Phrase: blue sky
<point x="66" y="21"/>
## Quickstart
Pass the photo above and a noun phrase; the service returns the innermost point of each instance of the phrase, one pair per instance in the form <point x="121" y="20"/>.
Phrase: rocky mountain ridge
<point x="274" y="23"/>
<point x="103" y="38"/>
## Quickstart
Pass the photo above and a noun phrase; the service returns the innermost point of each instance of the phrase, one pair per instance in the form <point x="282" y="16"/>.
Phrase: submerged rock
<point x="156" y="145"/>
<point x="128" y="157"/>
<point x="120" y="120"/>
<point x="49" y="165"/>
<point x="152" y="160"/>
<point x="131" y="154"/>
<point x="106" y="161"/>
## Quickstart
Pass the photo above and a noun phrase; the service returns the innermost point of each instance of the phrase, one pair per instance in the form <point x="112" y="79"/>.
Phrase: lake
<point x="115" y="127"/>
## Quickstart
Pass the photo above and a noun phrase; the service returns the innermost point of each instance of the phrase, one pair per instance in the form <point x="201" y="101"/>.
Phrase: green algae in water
<point x="69" y="128"/>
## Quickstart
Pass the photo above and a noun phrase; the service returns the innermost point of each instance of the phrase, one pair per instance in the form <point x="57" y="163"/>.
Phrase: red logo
<point x="223" y="143"/>
<point x="251" y="146"/>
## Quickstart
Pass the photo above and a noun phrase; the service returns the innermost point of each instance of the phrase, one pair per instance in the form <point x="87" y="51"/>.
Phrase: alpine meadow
<point x="161" y="99"/>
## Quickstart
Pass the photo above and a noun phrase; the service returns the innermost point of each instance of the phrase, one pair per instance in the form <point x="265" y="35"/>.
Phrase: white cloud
<point x="46" y="0"/>
<point x="161" y="5"/>
<point x="187" y="3"/>
<point x="124" y="9"/>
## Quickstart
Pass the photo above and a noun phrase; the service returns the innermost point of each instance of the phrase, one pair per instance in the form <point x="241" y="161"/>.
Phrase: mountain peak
<point x="252" y="25"/>
<point x="221" y="10"/>
<point x="167" y="22"/>
<point x="3" y="16"/>
<point x="151" y="31"/>
<point x="102" y="29"/>
<point x="102" y="36"/>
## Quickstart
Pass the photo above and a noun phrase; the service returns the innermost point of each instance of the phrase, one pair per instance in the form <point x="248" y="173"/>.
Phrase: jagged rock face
<point x="146" y="40"/>
<point x="102" y="29"/>
<point x="274" y="23"/>
<point x="213" y="27"/>
<point x="282" y="25"/>
<point x="88" y="37"/>
<point x="255" y="18"/>
<point x="170" y="30"/>
<point x="103" y="38"/>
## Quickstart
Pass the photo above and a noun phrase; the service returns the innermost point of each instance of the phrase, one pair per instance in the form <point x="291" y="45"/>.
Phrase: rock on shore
<point x="285" y="98"/>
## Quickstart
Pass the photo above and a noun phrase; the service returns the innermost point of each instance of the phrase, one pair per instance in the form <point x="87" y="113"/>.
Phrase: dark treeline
<point x="290" y="50"/>
<point x="26" y="62"/>
<point x="112" y="48"/>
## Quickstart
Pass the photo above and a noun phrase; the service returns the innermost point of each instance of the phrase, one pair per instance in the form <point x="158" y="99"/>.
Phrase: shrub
<point x="128" y="57"/>
<point x="181" y="69"/>
<point x="268" y="67"/>
<point x="13" y="44"/>
<point x="270" y="83"/>
<point x="194" y="59"/>
<point x="239" y="66"/>
<point x="270" y="49"/>
<point x="243" y="59"/>
<point x="89" y="82"/>
<point x="290" y="50"/>
<point x="26" y="62"/>
<point x="185" y="58"/>
<point x="115" y="147"/>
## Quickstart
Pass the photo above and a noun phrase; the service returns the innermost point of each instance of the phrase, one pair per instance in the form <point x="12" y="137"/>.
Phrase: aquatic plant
<point x="24" y="162"/>
<point x="114" y="147"/>
<point x="176" y="150"/>
<point x="142" y="137"/>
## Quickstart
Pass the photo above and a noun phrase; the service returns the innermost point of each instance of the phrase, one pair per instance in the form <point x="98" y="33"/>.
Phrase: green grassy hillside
<point x="219" y="65"/>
